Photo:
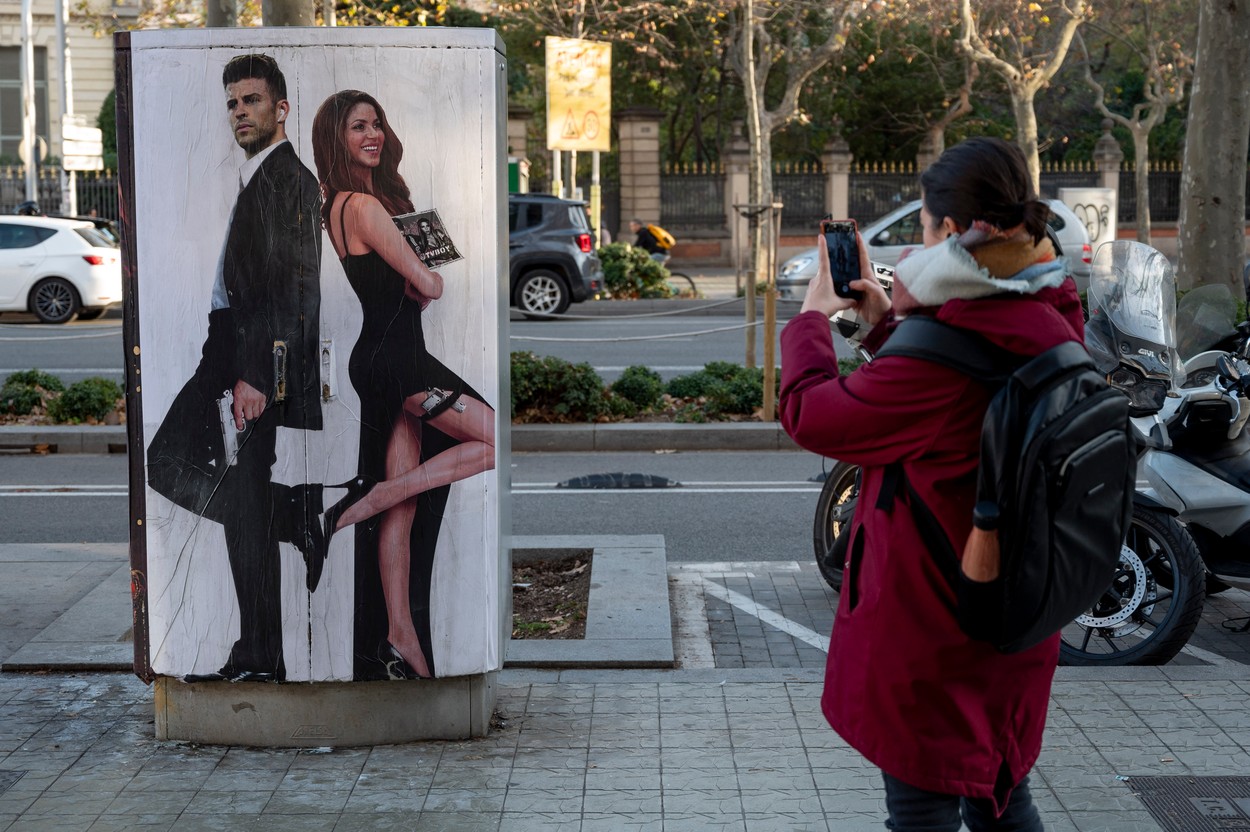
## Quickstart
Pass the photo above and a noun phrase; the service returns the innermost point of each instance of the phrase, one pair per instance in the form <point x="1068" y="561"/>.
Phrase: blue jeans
<point x="916" y="810"/>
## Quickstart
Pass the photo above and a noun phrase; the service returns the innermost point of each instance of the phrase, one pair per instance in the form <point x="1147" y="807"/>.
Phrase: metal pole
<point x="69" y="194"/>
<point x="573" y="194"/>
<point x="28" y="105"/>
<point x="557" y="183"/>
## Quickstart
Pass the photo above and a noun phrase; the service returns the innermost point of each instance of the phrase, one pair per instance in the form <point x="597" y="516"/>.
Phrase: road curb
<point x="631" y="436"/>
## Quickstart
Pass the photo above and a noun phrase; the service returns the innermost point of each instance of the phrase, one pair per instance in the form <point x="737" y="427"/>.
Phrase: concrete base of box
<point x="336" y="714"/>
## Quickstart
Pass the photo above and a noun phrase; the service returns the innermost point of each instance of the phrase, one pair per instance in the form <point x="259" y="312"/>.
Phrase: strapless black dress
<point x="389" y="364"/>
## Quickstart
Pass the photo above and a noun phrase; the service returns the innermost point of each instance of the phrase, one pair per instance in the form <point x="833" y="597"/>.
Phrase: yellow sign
<point x="579" y="94"/>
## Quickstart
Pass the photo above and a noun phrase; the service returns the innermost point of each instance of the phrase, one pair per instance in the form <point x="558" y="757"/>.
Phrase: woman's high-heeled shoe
<point x="356" y="490"/>
<point x="397" y="666"/>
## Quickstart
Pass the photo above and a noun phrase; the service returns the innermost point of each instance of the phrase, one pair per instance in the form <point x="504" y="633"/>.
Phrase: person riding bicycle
<point x="652" y="239"/>
<point x="646" y="240"/>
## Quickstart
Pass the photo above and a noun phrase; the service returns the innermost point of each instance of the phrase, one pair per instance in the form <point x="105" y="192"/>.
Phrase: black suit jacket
<point x="272" y="272"/>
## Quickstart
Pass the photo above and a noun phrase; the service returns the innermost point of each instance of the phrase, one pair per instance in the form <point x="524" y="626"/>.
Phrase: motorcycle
<point x="1190" y="530"/>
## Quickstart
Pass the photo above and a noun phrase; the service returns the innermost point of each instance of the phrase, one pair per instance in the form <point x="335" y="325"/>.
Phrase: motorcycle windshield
<point x="1132" y="310"/>
<point x="1204" y="317"/>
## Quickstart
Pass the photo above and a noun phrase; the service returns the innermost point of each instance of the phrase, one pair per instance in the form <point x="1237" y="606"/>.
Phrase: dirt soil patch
<point x="550" y="596"/>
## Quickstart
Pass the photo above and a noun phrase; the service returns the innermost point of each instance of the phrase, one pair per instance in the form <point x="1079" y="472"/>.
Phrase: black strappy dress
<point x="389" y="364"/>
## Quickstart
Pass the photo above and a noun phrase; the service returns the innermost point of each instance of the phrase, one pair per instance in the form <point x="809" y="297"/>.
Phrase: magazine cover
<point x="427" y="235"/>
<point x="315" y="486"/>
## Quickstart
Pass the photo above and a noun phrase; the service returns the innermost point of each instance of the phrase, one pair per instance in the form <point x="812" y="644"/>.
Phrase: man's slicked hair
<point x="259" y="67"/>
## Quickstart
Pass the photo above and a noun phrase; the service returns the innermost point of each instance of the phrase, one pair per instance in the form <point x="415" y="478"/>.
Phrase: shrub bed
<point x="552" y="390"/>
<point x="33" y="396"/>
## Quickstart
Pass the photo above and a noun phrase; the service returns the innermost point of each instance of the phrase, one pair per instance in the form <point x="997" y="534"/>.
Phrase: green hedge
<point x="29" y="390"/>
<point x="553" y="390"/>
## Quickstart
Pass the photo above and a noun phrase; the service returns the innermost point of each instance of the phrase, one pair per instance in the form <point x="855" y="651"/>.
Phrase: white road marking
<point x="766" y="615"/>
<point x="523" y="489"/>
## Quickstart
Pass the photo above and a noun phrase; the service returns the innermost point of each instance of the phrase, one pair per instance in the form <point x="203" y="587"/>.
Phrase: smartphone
<point x="843" y="247"/>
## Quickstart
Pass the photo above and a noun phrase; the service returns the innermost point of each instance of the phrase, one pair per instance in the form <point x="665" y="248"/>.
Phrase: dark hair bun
<point x="1035" y="214"/>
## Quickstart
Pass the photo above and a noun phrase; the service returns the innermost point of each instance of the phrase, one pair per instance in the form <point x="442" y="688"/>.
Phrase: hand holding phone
<point x="843" y="247"/>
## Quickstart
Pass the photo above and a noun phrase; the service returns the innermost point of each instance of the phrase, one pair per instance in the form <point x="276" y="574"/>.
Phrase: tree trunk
<point x="1026" y="131"/>
<point x="287" y="12"/>
<point x="221" y="13"/>
<point x="1141" y="154"/>
<point x="1211" y="244"/>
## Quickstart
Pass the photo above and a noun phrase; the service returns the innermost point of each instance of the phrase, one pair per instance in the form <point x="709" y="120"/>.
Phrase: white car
<point x="59" y="269"/>
<point x="899" y="230"/>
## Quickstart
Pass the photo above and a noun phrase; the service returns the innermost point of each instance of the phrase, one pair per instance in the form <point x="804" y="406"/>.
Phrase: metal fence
<point x="1053" y="181"/>
<point x="692" y="198"/>
<point x="876" y="190"/>
<point x="801" y="189"/>
<point x="96" y="191"/>
<point x="1165" y="196"/>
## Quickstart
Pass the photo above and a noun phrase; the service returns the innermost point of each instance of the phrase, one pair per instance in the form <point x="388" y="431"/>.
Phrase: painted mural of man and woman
<point x="421" y="427"/>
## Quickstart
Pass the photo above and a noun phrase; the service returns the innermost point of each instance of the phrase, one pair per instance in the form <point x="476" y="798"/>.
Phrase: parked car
<point x="59" y="269"/>
<point x="551" y="252"/>
<point x="899" y="230"/>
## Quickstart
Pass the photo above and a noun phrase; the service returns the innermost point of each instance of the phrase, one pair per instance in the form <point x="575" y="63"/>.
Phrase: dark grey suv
<point x="551" y="254"/>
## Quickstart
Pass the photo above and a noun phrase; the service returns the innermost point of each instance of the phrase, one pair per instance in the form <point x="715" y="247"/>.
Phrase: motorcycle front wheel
<point x="1153" y="604"/>
<point x="832" y="526"/>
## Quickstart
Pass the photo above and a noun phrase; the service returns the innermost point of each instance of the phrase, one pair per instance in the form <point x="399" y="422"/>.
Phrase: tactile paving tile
<point x="1196" y="804"/>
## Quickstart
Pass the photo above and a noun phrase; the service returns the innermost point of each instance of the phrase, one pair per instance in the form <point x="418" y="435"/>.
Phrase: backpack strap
<point x="927" y="338"/>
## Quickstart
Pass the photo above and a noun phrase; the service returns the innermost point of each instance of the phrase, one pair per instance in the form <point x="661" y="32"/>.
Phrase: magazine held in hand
<point x="424" y="231"/>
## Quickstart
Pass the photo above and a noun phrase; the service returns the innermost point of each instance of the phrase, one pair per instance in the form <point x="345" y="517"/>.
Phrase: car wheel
<point x="55" y="301"/>
<point x="91" y="314"/>
<point x="542" y="293"/>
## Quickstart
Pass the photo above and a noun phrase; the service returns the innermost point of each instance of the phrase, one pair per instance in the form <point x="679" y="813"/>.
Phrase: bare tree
<point x="1026" y="44"/>
<point x="1212" y="238"/>
<point x="1168" y="67"/>
<point x="785" y="42"/>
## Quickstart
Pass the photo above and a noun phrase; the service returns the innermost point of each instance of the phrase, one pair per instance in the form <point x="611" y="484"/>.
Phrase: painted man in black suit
<point x="258" y="372"/>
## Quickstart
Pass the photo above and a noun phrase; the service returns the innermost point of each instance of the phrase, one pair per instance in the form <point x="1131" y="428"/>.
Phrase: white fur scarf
<point x="948" y="271"/>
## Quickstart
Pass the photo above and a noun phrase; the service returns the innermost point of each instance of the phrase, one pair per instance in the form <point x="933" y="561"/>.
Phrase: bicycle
<point x="678" y="282"/>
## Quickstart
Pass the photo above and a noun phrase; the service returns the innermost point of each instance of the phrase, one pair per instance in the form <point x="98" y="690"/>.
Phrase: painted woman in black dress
<point x="422" y="428"/>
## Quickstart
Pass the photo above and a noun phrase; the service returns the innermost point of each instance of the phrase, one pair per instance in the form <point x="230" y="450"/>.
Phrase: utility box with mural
<point x="316" y="318"/>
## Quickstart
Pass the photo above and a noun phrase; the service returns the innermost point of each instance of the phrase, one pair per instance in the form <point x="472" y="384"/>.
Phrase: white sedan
<point x="899" y="230"/>
<point x="59" y="269"/>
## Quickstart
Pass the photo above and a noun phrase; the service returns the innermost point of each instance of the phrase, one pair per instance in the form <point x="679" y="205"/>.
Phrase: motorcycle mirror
<point x="1228" y="367"/>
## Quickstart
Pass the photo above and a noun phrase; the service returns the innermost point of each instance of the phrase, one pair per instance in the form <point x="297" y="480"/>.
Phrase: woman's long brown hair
<point x="334" y="165"/>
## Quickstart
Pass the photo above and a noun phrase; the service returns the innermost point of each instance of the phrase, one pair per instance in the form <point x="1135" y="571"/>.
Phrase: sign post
<point x="579" y="109"/>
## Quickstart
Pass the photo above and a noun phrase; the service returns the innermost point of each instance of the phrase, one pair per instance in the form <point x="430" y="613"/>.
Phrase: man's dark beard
<point x="257" y="142"/>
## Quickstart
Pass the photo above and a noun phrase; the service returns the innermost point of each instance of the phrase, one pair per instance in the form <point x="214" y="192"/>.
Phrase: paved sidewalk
<point x="732" y="741"/>
<point x="583" y="750"/>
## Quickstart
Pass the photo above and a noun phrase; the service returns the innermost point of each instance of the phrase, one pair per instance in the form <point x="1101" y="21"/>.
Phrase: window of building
<point x="11" y="100"/>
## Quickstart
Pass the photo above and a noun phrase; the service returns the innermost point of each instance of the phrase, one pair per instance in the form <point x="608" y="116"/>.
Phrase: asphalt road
<point x="676" y="345"/>
<point x="730" y="506"/>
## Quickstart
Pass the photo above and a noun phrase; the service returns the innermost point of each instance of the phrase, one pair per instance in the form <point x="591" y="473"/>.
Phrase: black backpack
<point x="1057" y="458"/>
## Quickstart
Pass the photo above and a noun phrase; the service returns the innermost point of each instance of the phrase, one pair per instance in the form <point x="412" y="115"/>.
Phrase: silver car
<point x="899" y="230"/>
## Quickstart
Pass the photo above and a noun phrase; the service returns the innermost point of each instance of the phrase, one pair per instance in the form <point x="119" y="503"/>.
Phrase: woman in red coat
<point x="954" y="725"/>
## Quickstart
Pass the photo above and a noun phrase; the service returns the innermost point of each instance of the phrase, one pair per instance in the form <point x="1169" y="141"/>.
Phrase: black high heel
<point x="356" y="490"/>
<point x="397" y="666"/>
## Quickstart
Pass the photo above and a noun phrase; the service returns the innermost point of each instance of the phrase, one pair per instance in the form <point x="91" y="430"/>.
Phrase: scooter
<point x="1191" y="521"/>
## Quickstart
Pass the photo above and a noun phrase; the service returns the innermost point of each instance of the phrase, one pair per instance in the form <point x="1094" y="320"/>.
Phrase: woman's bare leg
<point x="395" y="548"/>
<point x="475" y="454"/>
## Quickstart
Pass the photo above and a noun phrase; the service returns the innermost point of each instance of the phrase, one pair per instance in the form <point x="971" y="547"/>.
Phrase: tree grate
<point x="8" y="778"/>
<point x="1196" y="804"/>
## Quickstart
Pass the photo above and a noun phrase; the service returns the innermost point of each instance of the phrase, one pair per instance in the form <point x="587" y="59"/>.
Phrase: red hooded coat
<point x="904" y="685"/>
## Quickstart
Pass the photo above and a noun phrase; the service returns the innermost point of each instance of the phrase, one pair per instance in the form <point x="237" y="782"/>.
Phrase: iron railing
<point x="692" y="197"/>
